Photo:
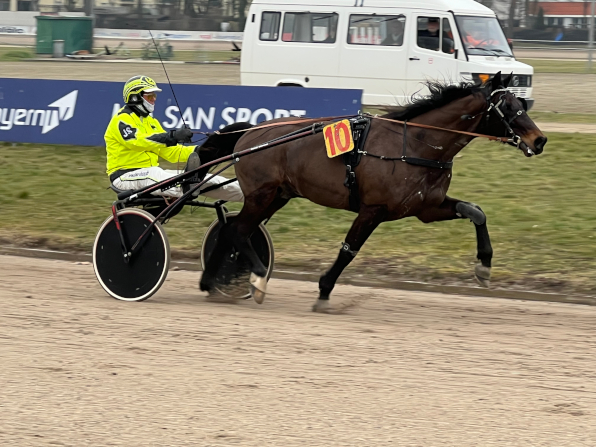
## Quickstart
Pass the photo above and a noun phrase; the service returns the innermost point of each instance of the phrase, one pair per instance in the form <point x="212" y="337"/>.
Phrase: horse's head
<point x="506" y="117"/>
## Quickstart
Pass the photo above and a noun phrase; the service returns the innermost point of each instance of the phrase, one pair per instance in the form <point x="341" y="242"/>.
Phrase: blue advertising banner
<point x="78" y="112"/>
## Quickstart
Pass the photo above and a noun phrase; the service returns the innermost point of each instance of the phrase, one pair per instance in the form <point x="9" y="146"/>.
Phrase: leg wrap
<point x="345" y="248"/>
<point x="471" y="211"/>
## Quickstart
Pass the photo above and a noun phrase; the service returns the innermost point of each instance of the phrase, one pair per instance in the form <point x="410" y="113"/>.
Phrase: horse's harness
<point x="361" y="126"/>
<point x="361" y="123"/>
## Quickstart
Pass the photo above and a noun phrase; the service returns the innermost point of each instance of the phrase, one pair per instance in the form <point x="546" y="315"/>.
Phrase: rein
<point x="514" y="139"/>
<point x="334" y="118"/>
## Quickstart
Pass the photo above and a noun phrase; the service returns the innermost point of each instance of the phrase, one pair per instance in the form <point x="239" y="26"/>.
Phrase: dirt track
<point x="395" y="368"/>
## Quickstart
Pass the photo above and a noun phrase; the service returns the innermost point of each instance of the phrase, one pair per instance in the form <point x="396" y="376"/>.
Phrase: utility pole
<point x="591" y="38"/>
<point x="88" y="7"/>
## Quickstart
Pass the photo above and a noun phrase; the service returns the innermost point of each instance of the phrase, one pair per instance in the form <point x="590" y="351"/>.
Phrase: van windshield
<point x="483" y="36"/>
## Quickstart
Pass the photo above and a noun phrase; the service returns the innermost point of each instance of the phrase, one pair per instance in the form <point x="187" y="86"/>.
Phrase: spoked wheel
<point x="145" y="272"/>
<point x="232" y="279"/>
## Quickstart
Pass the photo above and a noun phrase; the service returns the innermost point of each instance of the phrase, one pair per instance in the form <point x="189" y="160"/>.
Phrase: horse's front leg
<point x="368" y="219"/>
<point x="457" y="209"/>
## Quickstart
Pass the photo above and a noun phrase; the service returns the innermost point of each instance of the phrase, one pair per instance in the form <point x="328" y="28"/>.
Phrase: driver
<point x="135" y="140"/>
<point x="476" y="37"/>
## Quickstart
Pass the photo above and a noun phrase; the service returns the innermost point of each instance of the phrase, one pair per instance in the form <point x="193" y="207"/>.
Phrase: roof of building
<point x="561" y="9"/>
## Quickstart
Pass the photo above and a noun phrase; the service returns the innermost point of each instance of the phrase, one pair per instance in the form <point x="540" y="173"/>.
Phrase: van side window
<point x="309" y="27"/>
<point x="376" y="30"/>
<point x="270" y="26"/>
<point x="428" y="33"/>
<point x="447" y="40"/>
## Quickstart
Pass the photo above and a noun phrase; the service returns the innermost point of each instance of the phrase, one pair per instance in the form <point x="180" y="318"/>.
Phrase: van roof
<point x="457" y="6"/>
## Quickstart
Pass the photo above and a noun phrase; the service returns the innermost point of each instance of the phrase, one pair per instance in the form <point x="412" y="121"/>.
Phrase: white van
<point x="388" y="48"/>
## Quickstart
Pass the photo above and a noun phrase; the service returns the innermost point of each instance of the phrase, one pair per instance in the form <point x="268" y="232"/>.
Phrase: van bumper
<point x="530" y="102"/>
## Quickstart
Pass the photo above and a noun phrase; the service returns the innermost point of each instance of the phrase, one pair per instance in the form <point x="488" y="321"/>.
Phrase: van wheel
<point x="289" y="85"/>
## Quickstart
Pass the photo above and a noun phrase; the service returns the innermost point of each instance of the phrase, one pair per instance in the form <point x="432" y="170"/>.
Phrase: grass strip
<point x="558" y="66"/>
<point x="540" y="215"/>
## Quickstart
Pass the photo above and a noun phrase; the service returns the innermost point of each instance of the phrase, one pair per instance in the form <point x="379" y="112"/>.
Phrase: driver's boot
<point x="193" y="162"/>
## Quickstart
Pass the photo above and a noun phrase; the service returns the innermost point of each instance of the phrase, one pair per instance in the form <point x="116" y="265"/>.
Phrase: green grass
<point x="558" y="66"/>
<point x="553" y="117"/>
<point x="541" y="216"/>
<point x="20" y="53"/>
<point x="196" y="55"/>
<point x="11" y="54"/>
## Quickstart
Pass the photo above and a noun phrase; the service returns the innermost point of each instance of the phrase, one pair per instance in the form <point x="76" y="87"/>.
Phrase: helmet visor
<point x="150" y="97"/>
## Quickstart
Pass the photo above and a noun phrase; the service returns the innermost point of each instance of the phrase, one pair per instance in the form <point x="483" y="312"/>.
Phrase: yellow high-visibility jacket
<point x="134" y="142"/>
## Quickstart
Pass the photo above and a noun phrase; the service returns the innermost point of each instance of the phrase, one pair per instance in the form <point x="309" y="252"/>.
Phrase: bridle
<point x="515" y="139"/>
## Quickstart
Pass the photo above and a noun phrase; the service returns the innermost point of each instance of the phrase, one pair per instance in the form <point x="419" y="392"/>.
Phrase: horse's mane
<point x="440" y="94"/>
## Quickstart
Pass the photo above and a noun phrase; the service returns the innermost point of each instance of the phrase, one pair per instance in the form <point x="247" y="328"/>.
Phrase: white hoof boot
<point x="322" y="306"/>
<point x="258" y="288"/>
<point x="482" y="275"/>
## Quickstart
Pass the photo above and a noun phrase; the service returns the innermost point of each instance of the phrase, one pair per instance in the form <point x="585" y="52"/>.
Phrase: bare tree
<point x="241" y="5"/>
<point x="189" y="8"/>
<point x="510" y="22"/>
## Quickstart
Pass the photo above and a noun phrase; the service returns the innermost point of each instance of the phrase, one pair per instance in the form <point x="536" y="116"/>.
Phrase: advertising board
<point x="78" y="112"/>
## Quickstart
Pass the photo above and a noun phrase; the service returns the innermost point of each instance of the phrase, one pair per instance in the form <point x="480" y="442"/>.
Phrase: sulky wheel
<point x="147" y="268"/>
<point x="232" y="279"/>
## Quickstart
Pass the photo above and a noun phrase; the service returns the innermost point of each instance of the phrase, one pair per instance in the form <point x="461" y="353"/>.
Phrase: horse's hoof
<point x="205" y="283"/>
<point x="217" y="296"/>
<point x="482" y="274"/>
<point x="321" y="306"/>
<point x="258" y="288"/>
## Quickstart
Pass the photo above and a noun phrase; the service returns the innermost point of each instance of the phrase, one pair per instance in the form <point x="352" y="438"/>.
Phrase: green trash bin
<point x="76" y="32"/>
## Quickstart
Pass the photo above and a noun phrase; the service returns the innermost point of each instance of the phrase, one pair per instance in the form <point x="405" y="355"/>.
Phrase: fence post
<point x="591" y="37"/>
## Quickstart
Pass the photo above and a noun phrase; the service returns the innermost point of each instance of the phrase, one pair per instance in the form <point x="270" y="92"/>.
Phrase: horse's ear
<point x="507" y="80"/>
<point x="496" y="81"/>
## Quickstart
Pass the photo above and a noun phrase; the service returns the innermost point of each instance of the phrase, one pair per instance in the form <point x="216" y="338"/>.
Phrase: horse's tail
<point x="222" y="143"/>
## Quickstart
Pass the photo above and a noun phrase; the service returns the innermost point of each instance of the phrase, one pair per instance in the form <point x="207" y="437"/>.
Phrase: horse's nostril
<point x="539" y="144"/>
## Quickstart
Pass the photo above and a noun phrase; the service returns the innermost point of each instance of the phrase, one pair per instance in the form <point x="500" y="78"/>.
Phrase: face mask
<point x="148" y="106"/>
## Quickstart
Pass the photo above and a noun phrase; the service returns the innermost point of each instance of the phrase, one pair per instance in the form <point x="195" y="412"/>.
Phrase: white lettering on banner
<point x="207" y="119"/>
<point x="243" y="115"/>
<point x="48" y="119"/>
<point x="115" y="109"/>
<point x="18" y="116"/>
<point x="246" y="115"/>
<point x="225" y="114"/>
<point x="266" y="114"/>
<point x="187" y="118"/>
<point x="281" y="113"/>
<point x="230" y="115"/>
<point x="7" y="125"/>
<point x="170" y="113"/>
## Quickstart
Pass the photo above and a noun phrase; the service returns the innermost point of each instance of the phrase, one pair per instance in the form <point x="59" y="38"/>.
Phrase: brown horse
<point x="387" y="190"/>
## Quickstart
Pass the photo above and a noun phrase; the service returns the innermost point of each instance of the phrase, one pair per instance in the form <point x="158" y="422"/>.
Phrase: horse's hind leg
<point x="367" y="221"/>
<point x="257" y="207"/>
<point x="456" y="209"/>
<point x="242" y="230"/>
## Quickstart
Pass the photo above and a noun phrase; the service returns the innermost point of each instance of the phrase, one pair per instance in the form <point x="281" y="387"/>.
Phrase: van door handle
<point x="414" y="58"/>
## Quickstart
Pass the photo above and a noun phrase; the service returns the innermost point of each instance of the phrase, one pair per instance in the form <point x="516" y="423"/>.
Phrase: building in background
<point x="562" y="14"/>
<point x="207" y="15"/>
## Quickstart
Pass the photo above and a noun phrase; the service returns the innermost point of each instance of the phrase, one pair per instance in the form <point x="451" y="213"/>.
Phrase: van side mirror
<point x="455" y="52"/>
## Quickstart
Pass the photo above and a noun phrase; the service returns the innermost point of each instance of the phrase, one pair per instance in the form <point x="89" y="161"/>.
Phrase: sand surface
<point x="393" y="368"/>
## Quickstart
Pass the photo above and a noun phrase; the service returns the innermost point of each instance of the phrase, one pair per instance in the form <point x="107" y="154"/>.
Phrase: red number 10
<point x="335" y="139"/>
